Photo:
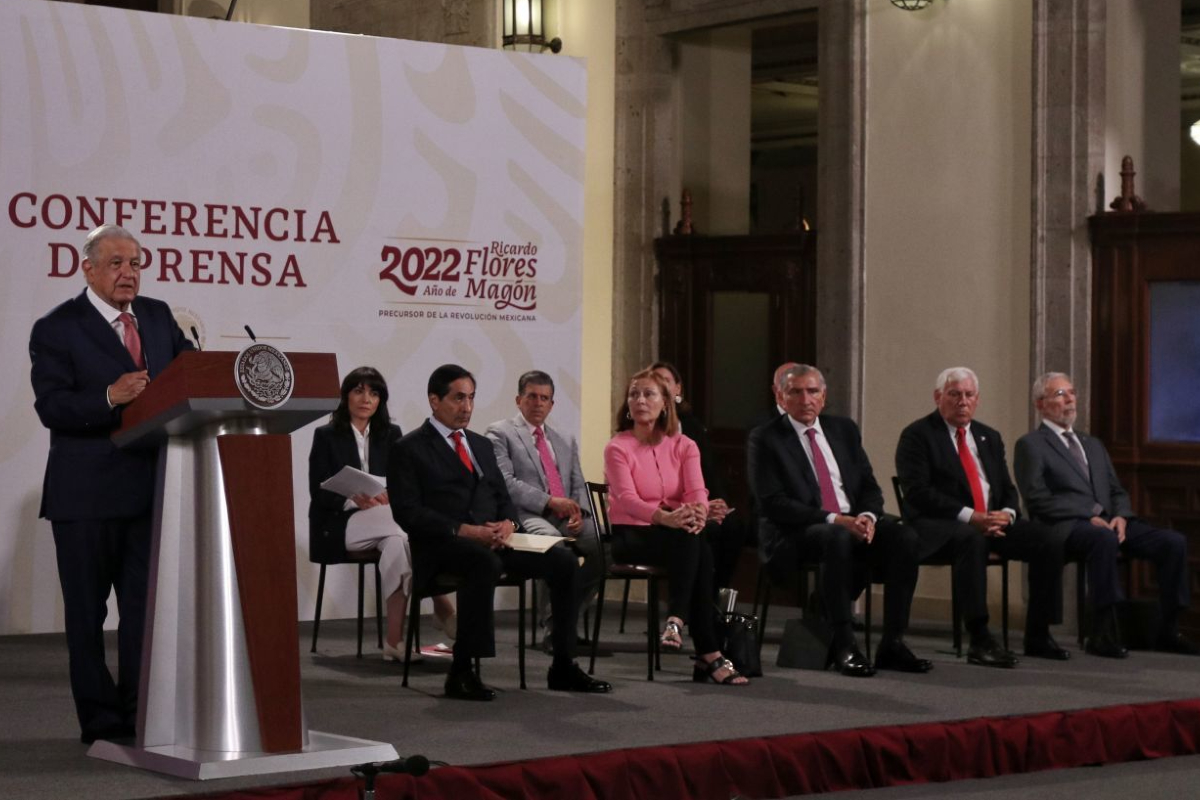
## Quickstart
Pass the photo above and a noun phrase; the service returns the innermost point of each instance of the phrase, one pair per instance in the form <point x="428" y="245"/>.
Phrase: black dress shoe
<point x="465" y="685"/>
<point x="852" y="663"/>
<point x="1175" y="643"/>
<point x="989" y="653"/>
<point x="1106" y="646"/>
<point x="897" y="657"/>
<point x="574" y="679"/>
<point x="1046" y="647"/>
<point x="119" y="734"/>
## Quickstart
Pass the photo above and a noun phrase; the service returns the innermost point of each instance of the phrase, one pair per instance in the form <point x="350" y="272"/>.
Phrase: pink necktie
<point x="829" y="501"/>
<point x="968" y="465"/>
<point x="461" y="449"/>
<point x="553" y="479"/>
<point x="133" y="342"/>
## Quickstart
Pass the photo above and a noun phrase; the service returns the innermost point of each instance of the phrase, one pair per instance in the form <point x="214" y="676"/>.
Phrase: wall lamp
<point x="524" y="29"/>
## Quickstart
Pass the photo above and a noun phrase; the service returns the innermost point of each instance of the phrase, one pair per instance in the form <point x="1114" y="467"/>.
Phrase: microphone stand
<point x="413" y="765"/>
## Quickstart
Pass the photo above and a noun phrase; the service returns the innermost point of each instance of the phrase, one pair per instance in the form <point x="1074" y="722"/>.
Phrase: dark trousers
<point x="688" y="561"/>
<point x="966" y="548"/>
<point x="478" y="568"/>
<point x="1098" y="547"/>
<point x="844" y="559"/>
<point x="726" y="541"/>
<point x="96" y="557"/>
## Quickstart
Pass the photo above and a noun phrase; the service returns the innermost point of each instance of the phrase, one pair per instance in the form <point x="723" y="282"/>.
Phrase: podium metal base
<point x="323" y="750"/>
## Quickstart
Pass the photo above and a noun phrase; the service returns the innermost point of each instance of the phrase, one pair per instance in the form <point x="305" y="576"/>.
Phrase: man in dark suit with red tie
<point x="448" y="494"/>
<point x="818" y="501"/>
<point x="91" y="356"/>
<point x="1068" y="482"/>
<point x="960" y="498"/>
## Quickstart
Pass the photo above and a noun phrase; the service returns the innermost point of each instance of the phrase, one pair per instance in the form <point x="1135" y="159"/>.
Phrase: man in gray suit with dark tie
<point x="1068" y="482"/>
<point x="545" y="480"/>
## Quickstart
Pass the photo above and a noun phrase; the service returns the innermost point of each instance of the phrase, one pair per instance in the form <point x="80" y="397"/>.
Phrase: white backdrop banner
<point x="399" y="204"/>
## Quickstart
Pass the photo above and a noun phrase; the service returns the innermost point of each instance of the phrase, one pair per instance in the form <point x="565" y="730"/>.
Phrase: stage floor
<point x="40" y="753"/>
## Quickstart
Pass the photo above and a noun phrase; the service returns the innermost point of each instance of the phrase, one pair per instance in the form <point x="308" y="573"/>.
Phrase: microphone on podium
<point x="196" y="338"/>
<point x="253" y="338"/>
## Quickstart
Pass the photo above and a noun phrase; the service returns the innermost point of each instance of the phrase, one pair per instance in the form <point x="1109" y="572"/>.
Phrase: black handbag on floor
<point x="741" y="644"/>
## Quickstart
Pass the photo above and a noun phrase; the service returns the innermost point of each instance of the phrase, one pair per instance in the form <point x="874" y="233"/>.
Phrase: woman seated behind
<point x="359" y="434"/>
<point x="658" y="506"/>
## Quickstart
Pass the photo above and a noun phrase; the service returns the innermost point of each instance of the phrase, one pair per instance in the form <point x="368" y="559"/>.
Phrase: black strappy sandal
<point x="706" y="672"/>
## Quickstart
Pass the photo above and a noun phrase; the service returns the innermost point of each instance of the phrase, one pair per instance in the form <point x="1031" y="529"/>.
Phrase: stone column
<point x="1068" y="185"/>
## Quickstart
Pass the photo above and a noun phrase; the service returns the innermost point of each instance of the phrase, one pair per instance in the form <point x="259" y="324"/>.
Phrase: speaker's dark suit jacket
<point x="432" y="493"/>
<point x="331" y="450"/>
<point x="1059" y="493"/>
<point x="98" y="497"/>
<point x="75" y="356"/>
<point x="792" y="522"/>
<point x="935" y="490"/>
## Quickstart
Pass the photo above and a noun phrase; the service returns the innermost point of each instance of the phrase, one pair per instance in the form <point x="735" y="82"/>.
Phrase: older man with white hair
<point x="1068" y="482"/>
<point x="962" y="502"/>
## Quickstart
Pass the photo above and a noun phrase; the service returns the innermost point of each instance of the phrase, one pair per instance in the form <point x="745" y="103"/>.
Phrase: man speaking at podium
<point x="92" y="356"/>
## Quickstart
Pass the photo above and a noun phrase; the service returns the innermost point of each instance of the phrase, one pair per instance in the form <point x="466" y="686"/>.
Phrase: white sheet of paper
<point x="532" y="542"/>
<point x="350" y="481"/>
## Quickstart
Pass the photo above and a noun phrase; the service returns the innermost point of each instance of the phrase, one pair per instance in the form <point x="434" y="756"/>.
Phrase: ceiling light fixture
<point x="911" y="5"/>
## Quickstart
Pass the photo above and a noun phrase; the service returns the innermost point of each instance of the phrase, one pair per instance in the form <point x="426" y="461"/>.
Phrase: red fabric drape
<point x="806" y="763"/>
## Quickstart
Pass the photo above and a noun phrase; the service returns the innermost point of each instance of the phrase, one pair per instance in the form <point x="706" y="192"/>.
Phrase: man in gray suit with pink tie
<point x="544" y="478"/>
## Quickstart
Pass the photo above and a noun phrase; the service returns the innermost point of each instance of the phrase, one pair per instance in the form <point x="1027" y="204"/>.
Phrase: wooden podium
<point x="220" y="679"/>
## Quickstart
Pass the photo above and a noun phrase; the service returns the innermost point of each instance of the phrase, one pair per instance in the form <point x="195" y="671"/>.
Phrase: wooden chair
<point x="362" y="558"/>
<point x="598" y="503"/>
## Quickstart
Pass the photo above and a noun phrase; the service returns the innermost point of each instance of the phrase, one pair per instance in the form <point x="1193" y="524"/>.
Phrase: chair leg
<point x="521" y="631"/>
<point x="378" y="608"/>
<point x="1004" y="604"/>
<point x="317" y="613"/>
<point x="651" y="627"/>
<point x="410" y="635"/>
<point x="955" y="616"/>
<point x="765" y="588"/>
<point x="624" y="606"/>
<point x="867" y="617"/>
<point x="1080" y="601"/>
<point x="362" y="575"/>
<point x="533" y="602"/>
<point x="596" y="626"/>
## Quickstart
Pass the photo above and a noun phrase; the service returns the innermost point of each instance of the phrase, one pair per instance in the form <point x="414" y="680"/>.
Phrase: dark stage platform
<point x="40" y="753"/>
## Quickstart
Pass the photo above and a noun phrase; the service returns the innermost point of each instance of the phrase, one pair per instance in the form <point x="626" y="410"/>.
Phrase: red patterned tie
<point x="829" y="500"/>
<point x="133" y="342"/>
<point x="461" y="449"/>
<point x="553" y="479"/>
<point x="968" y="465"/>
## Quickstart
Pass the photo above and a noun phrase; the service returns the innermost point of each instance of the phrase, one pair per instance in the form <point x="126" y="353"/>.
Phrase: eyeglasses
<point x="1060" y="393"/>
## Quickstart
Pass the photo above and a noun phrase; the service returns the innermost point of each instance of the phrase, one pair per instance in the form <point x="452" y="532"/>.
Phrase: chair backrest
<point x="598" y="505"/>
<point x="899" y="490"/>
